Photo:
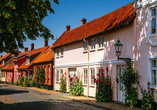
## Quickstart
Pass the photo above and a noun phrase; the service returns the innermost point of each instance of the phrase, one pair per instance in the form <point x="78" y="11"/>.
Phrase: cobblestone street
<point x="15" y="98"/>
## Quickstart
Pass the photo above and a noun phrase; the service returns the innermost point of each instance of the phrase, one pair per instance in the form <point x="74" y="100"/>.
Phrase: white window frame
<point x="85" y="46"/>
<point x="85" y="75"/>
<point x="149" y="70"/>
<point x="100" y="42"/>
<point x="57" y="76"/>
<point x="92" y="44"/>
<point x="62" y="50"/>
<point x="57" y="52"/>
<point x="92" y="75"/>
<point x="61" y="72"/>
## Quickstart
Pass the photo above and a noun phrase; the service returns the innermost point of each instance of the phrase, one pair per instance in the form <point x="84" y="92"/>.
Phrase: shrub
<point x="63" y="83"/>
<point x="39" y="76"/>
<point x="147" y="98"/>
<point x="32" y="83"/>
<point x="26" y="82"/>
<point x="76" y="87"/>
<point x="103" y="88"/>
<point x="16" y="83"/>
<point x="21" y="81"/>
<point x="10" y="82"/>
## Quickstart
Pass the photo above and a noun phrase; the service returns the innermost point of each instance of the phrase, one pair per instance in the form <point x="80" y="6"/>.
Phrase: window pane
<point x="62" y="51"/>
<point x="153" y="11"/>
<point x="57" y="52"/>
<point x="154" y="25"/>
<point x="85" y="76"/>
<point x="153" y="77"/>
<point x="93" y="44"/>
<point x="85" y="46"/>
<point x="153" y="63"/>
<point x="92" y="75"/>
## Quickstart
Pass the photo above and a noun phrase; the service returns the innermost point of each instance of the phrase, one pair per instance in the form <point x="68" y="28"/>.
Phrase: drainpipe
<point x="135" y="43"/>
<point x="88" y="72"/>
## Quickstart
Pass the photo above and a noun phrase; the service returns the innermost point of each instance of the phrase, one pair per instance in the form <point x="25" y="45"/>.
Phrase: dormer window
<point x="61" y="51"/>
<point x="27" y="61"/>
<point x="2" y="62"/>
<point x="58" y="53"/>
<point x="93" y="44"/>
<point x="101" y="42"/>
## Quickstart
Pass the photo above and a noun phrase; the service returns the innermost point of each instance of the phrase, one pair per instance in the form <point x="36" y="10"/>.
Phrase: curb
<point x="88" y="103"/>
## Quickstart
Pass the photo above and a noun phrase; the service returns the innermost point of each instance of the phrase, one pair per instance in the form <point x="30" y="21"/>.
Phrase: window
<point x="57" y="76"/>
<point x="45" y="72"/>
<point x="49" y="71"/>
<point x="8" y="74"/>
<point x="93" y="44"/>
<point x="27" y="61"/>
<point x="85" y="46"/>
<point x="61" y="71"/>
<point x="153" y="20"/>
<point x="2" y="62"/>
<point x="153" y="72"/>
<point x="101" y="42"/>
<point x="58" y="53"/>
<point x="85" y="76"/>
<point x="92" y="75"/>
<point x="62" y="52"/>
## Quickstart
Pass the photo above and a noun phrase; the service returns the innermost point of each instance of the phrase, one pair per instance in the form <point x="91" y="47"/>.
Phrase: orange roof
<point x="45" y="56"/>
<point x="109" y="21"/>
<point x="9" y="66"/>
<point x="8" y="54"/>
<point x="43" y="49"/>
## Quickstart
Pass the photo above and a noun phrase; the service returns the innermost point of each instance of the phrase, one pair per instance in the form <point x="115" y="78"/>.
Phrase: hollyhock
<point x="107" y="69"/>
<point x="148" y="83"/>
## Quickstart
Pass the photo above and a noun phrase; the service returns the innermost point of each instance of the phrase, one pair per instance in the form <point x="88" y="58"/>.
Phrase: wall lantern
<point x="118" y="47"/>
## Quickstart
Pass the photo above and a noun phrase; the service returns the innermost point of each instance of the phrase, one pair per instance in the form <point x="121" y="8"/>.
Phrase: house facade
<point x="90" y="47"/>
<point x="45" y="60"/>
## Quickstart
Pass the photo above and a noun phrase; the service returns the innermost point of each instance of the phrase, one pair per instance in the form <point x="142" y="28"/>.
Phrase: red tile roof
<point x="43" y="49"/>
<point x="111" y="20"/>
<point x="9" y="66"/>
<point x="45" y="56"/>
<point x="5" y="56"/>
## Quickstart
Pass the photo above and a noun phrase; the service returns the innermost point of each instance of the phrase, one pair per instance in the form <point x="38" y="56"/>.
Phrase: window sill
<point x="57" y="82"/>
<point x="92" y="86"/>
<point x="57" y="57"/>
<point x="61" y="56"/>
<point x="85" y="52"/>
<point x="93" y="50"/>
<point x="100" y="48"/>
<point x="84" y="85"/>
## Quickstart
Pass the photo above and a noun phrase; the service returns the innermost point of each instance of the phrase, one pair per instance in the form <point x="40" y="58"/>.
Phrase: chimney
<point x="32" y="46"/>
<point x="1" y="56"/>
<point x="83" y="21"/>
<point x="67" y="28"/>
<point x="46" y="43"/>
<point x="25" y="49"/>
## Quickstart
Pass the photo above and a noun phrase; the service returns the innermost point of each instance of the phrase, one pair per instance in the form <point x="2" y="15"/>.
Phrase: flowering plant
<point x="103" y="89"/>
<point x="76" y="87"/>
<point x="147" y="98"/>
<point x="63" y="83"/>
<point x="39" y="76"/>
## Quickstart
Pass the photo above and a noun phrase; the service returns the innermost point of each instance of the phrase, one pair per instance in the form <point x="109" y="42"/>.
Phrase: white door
<point x="120" y="92"/>
<point x="72" y="72"/>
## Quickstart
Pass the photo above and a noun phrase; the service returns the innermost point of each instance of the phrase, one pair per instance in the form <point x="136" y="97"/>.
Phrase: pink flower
<point x="63" y="80"/>
<point x="117" y="80"/>
<point x="107" y="69"/>
<point x="148" y="83"/>
<point x="144" y="91"/>
<point x="65" y="77"/>
<point x="69" y="76"/>
<point x="65" y="73"/>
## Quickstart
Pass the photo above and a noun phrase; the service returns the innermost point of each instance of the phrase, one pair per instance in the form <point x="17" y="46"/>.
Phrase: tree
<point x="21" y="20"/>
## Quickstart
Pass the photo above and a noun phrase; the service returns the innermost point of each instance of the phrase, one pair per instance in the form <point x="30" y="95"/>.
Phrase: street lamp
<point x="118" y="47"/>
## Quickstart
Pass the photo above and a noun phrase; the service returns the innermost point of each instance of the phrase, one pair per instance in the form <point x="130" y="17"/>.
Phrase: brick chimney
<point x="25" y="49"/>
<point x="46" y="43"/>
<point x="32" y="46"/>
<point x="67" y="28"/>
<point x="83" y="21"/>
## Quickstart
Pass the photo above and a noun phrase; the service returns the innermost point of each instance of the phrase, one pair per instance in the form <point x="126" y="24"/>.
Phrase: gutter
<point x="128" y="23"/>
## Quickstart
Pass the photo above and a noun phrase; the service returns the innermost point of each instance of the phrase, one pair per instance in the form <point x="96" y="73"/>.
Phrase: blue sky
<point x="70" y="12"/>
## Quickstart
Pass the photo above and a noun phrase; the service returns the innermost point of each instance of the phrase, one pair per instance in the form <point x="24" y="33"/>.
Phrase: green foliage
<point x="42" y="87"/>
<point x="147" y="98"/>
<point x="76" y="87"/>
<point x="16" y="83"/>
<point x="128" y="80"/>
<point x="63" y="83"/>
<point x="22" y="19"/>
<point x="26" y="81"/>
<point x="39" y="76"/>
<point x="21" y="81"/>
<point x="103" y="88"/>
<point x="32" y="83"/>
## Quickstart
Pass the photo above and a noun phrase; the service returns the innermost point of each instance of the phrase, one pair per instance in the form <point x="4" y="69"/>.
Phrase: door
<point x="121" y="96"/>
